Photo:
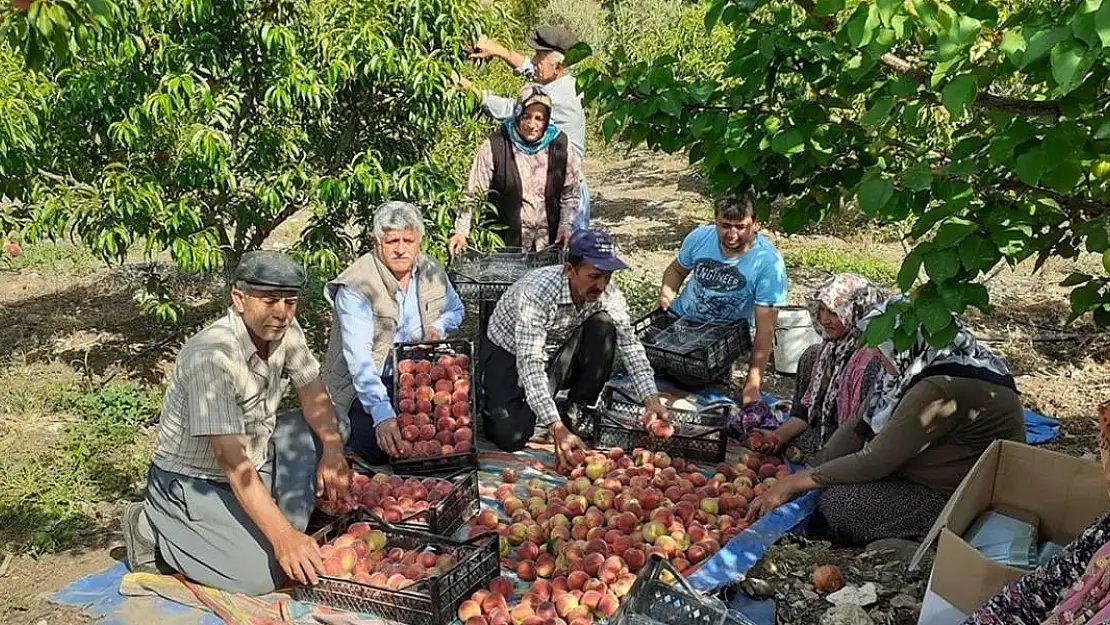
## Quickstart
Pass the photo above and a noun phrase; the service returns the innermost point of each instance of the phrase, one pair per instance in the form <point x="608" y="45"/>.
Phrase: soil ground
<point x="70" y="320"/>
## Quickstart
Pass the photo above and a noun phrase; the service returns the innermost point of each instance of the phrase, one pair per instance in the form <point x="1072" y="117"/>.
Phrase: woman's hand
<point x="782" y="492"/>
<point x="456" y="244"/>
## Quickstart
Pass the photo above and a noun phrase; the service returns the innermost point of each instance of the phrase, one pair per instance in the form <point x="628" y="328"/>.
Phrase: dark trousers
<point x="582" y="365"/>
<point x="364" y="438"/>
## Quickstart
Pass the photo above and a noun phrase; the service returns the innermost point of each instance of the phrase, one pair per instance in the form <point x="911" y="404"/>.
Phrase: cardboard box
<point x="1064" y="493"/>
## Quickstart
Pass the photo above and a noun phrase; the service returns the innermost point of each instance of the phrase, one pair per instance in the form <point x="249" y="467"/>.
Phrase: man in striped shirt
<point x="576" y="307"/>
<point x="233" y="482"/>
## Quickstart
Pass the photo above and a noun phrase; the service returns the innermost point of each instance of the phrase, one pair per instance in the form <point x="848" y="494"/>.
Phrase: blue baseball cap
<point x="596" y="247"/>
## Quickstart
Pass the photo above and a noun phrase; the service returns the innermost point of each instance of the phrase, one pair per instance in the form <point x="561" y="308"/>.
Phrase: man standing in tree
<point x="233" y="482"/>
<point x="736" y="274"/>
<point x="547" y="66"/>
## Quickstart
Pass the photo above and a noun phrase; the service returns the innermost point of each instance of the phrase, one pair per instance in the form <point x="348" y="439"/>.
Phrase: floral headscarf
<point x="849" y="296"/>
<point x="529" y="95"/>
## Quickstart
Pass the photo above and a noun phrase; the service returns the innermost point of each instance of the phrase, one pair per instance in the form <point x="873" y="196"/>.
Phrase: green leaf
<point x="1063" y="177"/>
<point x="879" y="112"/>
<point x="671" y="104"/>
<point x="1102" y="23"/>
<point x="860" y="27"/>
<point x="977" y="254"/>
<point x="958" y="94"/>
<point x="798" y="215"/>
<point x="713" y="14"/>
<point x="934" y="316"/>
<point x="953" y="231"/>
<point x="976" y="295"/>
<point x="880" y="328"/>
<point x="1038" y="43"/>
<point x="911" y="268"/>
<point x="942" y="265"/>
<point x="943" y="337"/>
<point x="609" y="127"/>
<point x="918" y="178"/>
<point x="578" y="52"/>
<point x="1030" y="166"/>
<point x="826" y="8"/>
<point x="874" y="194"/>
<point x="1085" y="297"/>
<point x="1069" y="64"/>
<point x="788" y="142"/>
<point x="1013" y="46"/>
<point x="961" y="34"/>
<point x="1075" y="278"/>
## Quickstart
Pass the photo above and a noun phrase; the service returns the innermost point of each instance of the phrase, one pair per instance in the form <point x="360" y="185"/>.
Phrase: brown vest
<point x="373" y="281"/>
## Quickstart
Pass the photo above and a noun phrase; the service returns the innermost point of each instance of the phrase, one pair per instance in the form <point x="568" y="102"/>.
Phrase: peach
<point x="608" y="605"/>
<point x="623" y="585"/>
<point x="468" y="609"/>
<point x="828" y="578"/>
<point x="543" y="589"/>
<point x="407" y="380"/>
<point x="476" y="620"/>
<point x="565" y="603"/>
<point x="545" y="565"/>
<point x="463" y="386"/>
<point x="398" y="581"/>
<point x="593" y="563"/>
<point x="528" y="550"/>
<point x="445" y="437"/>
<point x="459" y="396"/>
<point x="462" y="434"/>
<point x="611" y="569"/>
<point x="499" y="617"/>
<point x="591" y="599"/>
<point x="488" y="518"/>
<point x="502" y="585"/>
<point x="494" y="601"/>
<point x="526" y="570"/>
<point x="577" y="579"/>
<point x="598" y="546"/>
<point x="444" y="386"/>
<point x="520" y="612"/>
<point x="635" y="558"/>
<point x="461" y="411"/>
<point x="442" y="398"/>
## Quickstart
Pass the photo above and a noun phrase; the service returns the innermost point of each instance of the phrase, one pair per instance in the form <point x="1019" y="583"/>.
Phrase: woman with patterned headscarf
<point x="835" y="375"/>
<point x="529" y="175"/>
<point x="889" y="471"/>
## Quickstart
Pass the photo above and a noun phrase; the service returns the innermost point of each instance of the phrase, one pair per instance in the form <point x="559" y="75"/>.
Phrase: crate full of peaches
<point x="435" y="405"/>
<point x="400" y="574"/>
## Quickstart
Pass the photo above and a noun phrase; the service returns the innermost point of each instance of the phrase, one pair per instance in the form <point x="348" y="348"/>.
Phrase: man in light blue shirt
<point x="736" y="273"/>
<point x="394" y="294"/>
<point x="546" y="67"/>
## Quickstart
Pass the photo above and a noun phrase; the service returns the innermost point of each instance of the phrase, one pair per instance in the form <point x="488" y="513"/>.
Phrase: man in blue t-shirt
<point x="736" y="273"/>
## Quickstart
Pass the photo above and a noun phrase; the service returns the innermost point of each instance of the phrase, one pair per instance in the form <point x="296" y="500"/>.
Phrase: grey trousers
<point x="203" y="532"/>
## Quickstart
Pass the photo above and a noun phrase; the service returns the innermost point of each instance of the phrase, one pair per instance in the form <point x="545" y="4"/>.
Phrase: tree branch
<point x="1080" y="209"/>
<point x="906" y="68"/>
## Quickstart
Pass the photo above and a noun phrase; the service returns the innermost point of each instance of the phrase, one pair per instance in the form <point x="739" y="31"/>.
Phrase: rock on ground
<point x="846" y="614"/>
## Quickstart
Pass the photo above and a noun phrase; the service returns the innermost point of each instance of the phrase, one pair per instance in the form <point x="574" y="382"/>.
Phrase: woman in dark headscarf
<point x="889" y="472"/>
<point x="530" y="176"/>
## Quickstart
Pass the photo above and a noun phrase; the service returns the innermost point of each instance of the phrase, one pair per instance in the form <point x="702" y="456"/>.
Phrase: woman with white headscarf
<point x="889" y="472"/>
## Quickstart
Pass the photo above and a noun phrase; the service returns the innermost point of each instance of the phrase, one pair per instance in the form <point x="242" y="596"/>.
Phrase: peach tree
<point x="983" y="125"/>
<point x="198" y="127"/>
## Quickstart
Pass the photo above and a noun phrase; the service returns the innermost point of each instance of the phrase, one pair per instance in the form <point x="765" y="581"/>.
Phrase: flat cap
<point x="554" y="38"/>
<point x="270" y="270"/>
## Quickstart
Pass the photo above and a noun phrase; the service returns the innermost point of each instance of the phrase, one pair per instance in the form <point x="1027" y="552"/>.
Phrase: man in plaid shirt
<point x="576" y="307"/>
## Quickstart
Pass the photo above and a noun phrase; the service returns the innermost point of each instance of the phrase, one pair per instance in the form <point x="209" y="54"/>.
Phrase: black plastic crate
<point x="699" y="435"/>
<point x="661" y="595"/>
<point x="703" y="354"/>
<point x="431" y="601"/>
<point x="430" y="350"/>
<point x="442" y="517"/>
<point x="484" y="277"/>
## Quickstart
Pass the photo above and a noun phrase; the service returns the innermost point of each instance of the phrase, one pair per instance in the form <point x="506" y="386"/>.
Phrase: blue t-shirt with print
<point x="721" y="289"/>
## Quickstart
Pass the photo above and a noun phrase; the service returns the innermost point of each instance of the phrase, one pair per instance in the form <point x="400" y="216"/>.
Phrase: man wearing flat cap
<point x="547" y="66"/>
<point x="233" y="482"/>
